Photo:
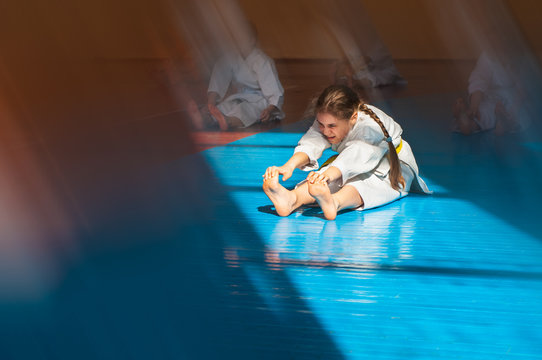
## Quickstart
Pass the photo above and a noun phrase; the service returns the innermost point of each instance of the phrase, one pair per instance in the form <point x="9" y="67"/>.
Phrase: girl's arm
<point x="297" y="160"/>
<point x="332" y="173"/>
<point x="313" y="145"/>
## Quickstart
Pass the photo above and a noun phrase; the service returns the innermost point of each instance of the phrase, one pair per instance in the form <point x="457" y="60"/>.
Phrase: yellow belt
<point x="399" y="147"/>
<point x="331" y="158"/>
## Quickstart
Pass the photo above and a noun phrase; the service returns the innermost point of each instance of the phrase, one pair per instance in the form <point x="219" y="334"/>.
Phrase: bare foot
<point x="320" y="191"/>
<point x="195" y="115"/>
<point x="222" y="124"/>
<point x="282" y="198"/>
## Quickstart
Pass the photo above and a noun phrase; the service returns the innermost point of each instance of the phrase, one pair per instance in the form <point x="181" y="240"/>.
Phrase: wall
<point x="414" y="29"/>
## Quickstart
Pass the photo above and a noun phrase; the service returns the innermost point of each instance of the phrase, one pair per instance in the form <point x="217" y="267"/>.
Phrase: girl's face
<point x="334" y="129"/>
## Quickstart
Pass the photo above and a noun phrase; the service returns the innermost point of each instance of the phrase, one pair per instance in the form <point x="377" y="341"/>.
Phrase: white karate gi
<point x="256" y="82"/>
<point x="498" y="83"/>
<point x="362" y="159"/>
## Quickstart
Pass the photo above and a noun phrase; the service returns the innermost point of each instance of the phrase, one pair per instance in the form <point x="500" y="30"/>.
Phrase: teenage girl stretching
<point x="374" y="165"/>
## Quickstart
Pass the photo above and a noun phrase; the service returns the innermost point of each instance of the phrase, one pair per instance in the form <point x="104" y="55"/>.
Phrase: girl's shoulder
<point x="373" y="129"/>
<point x="366" y="130"/>
<point x="380" y="114"/>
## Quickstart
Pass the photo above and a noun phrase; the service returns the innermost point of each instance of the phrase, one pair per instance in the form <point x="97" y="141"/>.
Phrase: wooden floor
<point x="303" y="79"/>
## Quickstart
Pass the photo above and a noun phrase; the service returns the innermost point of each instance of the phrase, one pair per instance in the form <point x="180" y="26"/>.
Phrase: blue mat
<point x="454" y="275"/>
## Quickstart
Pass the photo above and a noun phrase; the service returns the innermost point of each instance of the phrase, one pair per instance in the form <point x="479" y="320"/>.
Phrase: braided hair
<point x="396" y="177"/>
<point x="343" y="102"/>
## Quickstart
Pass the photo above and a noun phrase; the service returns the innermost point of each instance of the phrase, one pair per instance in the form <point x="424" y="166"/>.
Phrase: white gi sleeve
<point x="359" y="157"/>
<point x="221" y="76"/>
<point x="313" y="144"/>
<point x="481" y="77"/>
<point x="269" y="82"/>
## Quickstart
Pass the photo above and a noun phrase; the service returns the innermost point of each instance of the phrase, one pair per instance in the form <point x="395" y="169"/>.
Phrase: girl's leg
<point x="346" y="198"/>
<point x="285" y="200"/>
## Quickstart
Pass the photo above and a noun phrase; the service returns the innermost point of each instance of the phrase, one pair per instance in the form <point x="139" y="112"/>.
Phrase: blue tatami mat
<point x="457" y="274"/>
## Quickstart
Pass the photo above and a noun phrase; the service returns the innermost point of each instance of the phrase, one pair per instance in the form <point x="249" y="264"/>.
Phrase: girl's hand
<point x="273" y="171"/>
<point x="315" y="177"/>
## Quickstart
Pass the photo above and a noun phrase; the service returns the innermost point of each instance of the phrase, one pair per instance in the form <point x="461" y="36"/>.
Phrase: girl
<point x="374" y="165"/>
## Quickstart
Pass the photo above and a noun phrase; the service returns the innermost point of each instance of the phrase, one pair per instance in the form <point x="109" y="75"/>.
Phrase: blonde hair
<point x="343" y="102"/>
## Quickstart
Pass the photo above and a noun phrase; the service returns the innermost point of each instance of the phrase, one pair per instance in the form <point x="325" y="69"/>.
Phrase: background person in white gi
<point x="374" y="166"/>
<point x="495" y="98"/>
<point x="500" y="93"/>
<point x="244" y="88"/>
<point x="366" y="61"/>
